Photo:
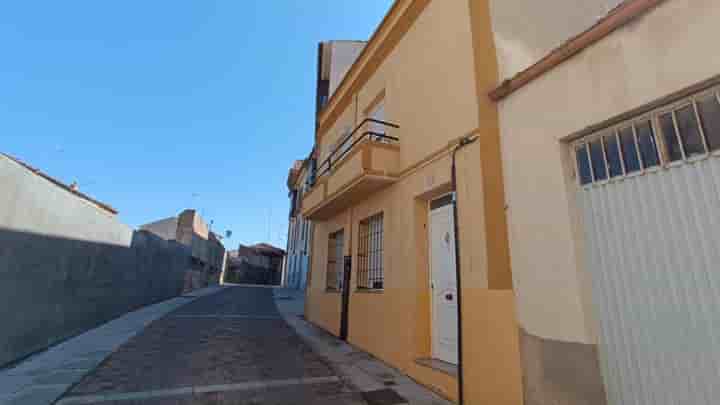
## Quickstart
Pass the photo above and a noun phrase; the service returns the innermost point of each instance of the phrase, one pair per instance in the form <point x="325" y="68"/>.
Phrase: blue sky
<point x="156" y="106"/>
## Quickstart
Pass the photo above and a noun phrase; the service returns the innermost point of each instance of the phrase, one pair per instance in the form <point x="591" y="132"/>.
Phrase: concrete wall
<point x="191" y="230"/>
<point x="164" y="228"/>
<point x="67" y="265"/>
<point x="644" y="61"/>
<point x="30" y="203"/>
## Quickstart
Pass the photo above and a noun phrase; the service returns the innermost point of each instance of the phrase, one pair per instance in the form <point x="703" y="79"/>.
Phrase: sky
<point x="158" y="106"/>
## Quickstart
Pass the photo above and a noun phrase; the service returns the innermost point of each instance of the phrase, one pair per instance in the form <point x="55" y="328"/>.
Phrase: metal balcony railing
<point x="342" y="149"/>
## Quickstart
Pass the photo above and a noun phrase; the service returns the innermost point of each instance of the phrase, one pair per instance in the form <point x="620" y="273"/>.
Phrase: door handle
<point x="449" y="297"/>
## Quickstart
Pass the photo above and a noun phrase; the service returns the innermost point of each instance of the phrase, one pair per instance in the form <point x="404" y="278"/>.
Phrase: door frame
<point x="448" y="202"/>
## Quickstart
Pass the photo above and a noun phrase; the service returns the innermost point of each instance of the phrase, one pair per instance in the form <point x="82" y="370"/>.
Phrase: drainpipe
<point x="463" y="142"/>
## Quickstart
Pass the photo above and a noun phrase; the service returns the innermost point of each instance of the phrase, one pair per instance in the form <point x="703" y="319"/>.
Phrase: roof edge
<point x="363" y="54"/>
<point x="372" y="46"/>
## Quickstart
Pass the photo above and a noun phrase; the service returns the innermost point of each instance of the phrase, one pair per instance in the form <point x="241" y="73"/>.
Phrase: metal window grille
<point x="308" y="239"/>
<point x="292" y="235"/>
<point x="335" y="261"/>
<point x="683" y="131"/>
<point x="296" y="235"/>
<point x="370" y="253"/>
<point x="303" y="238"/>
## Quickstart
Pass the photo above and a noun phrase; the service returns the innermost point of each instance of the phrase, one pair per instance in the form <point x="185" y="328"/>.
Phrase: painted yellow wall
<point x="384" y="159"/>
<point x="314" y="197"/>
<point x="323" y="307"/>
<point x="492" y="347"/>
<point x="384" y="324"/>
<point x="431" y="91"/>
<point x="350" y="168"/>
<point x="635" y="65"/>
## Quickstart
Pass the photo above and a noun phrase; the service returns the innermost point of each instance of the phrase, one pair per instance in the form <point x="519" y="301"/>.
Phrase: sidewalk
<point x="380" y="383"/>
<point x="45" y="376"/>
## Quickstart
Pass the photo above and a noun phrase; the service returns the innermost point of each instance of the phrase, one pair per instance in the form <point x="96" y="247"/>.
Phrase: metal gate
<point x="653" y="250"/>
<point x="345" y="303"/>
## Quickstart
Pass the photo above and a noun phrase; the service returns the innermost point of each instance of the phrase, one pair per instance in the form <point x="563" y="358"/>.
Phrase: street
<point x="229" y="348"/>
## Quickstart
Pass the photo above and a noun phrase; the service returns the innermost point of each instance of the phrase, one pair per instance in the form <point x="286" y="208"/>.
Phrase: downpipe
<point x="458" y="274"/>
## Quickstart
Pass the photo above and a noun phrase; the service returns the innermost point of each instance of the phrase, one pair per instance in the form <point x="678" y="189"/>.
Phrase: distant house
<point x="208" y="253"/>
<point x="257" y="264"/>
<point x="299" y="228"/>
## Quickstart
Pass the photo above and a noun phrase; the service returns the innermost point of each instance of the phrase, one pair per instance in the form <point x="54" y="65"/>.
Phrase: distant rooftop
<point x="268" y="248"/>
<point x="258" y="248"/>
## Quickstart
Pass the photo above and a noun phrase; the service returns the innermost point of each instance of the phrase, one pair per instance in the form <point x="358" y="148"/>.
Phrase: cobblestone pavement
<point x="231" y="348"/>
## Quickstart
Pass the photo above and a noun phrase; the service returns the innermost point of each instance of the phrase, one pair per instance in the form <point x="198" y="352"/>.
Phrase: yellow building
<point x="586" y="138"/>
<point x="382" y="205"/>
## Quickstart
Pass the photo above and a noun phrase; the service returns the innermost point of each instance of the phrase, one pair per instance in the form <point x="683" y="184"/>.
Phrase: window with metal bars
<point x="334" y="279"/>
<point x="306" y="239"/>
<point x="370" y="254"/>
<point x="683" y="131"/>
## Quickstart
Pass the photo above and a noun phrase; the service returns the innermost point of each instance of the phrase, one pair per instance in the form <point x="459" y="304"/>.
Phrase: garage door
<point x="649" y="193"/>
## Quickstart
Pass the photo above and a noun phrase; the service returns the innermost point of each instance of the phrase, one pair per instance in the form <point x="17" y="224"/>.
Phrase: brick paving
<point x="226" y="340"/>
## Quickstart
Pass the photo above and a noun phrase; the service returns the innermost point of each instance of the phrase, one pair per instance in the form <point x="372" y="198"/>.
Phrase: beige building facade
<point x="608" y="144"/>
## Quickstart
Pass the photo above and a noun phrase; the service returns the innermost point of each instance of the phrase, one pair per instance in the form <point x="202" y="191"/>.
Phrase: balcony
<point x="366" y="161"/>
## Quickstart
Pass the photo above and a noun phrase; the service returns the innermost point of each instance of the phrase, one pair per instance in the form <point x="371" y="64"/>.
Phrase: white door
<point x="443" y="281"/>
<point x="653" y="251"/>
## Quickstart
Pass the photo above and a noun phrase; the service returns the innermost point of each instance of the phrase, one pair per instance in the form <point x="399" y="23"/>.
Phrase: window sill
<point x="332" y="291"/>
<point x="368" y="291"/>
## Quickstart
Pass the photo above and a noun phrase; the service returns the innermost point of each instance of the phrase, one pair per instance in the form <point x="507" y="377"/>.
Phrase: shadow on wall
<point x="53" y="288"/>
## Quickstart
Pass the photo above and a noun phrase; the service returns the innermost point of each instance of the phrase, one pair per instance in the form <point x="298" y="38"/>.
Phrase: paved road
<point x="231" y="348"/>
